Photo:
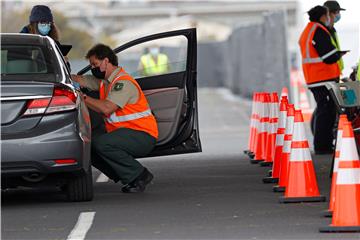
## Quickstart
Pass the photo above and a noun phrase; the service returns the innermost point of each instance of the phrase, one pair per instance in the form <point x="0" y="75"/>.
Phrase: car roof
<point x="23" y="39"/>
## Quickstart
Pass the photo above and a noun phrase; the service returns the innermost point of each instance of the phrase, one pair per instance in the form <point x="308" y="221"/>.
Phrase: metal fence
<point x="254" y="58"/>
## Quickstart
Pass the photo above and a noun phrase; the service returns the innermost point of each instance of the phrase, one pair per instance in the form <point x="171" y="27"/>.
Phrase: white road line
<point x="102" y="178"/>
<point x="82" y="226"/>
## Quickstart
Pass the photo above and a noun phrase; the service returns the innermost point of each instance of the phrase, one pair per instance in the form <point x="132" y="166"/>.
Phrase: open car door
<point x="164" y="65"/>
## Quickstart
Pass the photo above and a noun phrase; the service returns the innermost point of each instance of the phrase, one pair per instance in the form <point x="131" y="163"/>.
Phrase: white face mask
<point x="154" y="51"/>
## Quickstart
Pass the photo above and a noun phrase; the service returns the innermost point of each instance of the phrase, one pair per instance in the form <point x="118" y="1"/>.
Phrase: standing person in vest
<point x="153" y="62"/>
<point x="334" y="13"/>
<point x="131" y="129"/>
<point x="319" y="63"/>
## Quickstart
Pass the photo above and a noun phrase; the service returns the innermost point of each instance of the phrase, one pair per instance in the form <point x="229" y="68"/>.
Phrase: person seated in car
<point x="131" y="128"/>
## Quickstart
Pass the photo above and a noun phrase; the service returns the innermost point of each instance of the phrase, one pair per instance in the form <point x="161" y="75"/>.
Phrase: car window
<point x="157" y="57"/>
<point x="23" y="60"/>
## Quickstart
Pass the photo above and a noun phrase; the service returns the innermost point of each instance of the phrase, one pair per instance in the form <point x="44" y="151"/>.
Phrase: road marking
<point x="102" y="178"/>
<point x="82" y="226"/>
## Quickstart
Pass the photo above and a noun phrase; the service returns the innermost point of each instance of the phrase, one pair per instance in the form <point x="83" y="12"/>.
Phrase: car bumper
<point x="39" y="154"/>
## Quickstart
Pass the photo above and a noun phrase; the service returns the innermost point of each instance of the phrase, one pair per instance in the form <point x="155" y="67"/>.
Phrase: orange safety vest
<point x="315" y="70"/>
<point x="135" y="116"/>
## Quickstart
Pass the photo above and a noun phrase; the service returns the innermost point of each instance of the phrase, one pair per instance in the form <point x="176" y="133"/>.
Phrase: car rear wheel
<point x="80" y="188"/>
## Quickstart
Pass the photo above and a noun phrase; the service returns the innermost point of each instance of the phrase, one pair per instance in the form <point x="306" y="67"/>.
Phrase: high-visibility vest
<point x="135" y="116"/>
<point x="358" y="71"/>
<point x="155" y="68"/>
<point x="315" y="70"/>
<point x="336" y="43"/>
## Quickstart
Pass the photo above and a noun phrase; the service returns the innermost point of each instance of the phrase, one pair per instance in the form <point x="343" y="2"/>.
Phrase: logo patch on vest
<point x="118" y="86"/>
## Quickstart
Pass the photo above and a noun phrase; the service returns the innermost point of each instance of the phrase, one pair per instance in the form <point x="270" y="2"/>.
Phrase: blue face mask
<point x="44" y="28"/>
<point x="337" y="18"/>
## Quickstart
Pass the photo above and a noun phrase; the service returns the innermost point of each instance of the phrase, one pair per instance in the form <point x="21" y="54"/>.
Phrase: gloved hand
<point x="76" y="85"/>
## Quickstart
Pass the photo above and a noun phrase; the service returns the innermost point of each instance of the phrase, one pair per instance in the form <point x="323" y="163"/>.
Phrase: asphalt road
<point x="216" y="194"/>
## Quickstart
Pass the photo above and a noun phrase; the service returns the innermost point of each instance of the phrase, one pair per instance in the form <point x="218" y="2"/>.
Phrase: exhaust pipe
<point x="34" y="177"/>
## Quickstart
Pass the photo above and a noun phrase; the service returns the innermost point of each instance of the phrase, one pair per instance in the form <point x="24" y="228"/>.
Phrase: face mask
<point x="44" y="28"/>
<point x="337" y="18"/>
<point x="98" y="73"/>
<point x="154" y="51"/>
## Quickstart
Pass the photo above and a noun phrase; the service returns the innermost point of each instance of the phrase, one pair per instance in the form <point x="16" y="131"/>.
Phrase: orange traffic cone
<point x="302" y="184"/>
<point x="262" y="128"/>
<point x="342" y="120"/>
<point x="267" y="105"/>
<point x="271" y="137"/>
<point x="252" y="125"/>
<point x="274" y="177"/>
<point x="346" y="215"/>
<point x="285" y="92"/>
<point x="285" y="155"/>
<point x="253" y="143"/>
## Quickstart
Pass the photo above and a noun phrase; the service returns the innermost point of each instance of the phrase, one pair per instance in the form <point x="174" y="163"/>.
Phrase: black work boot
<point x="139" y="184"/>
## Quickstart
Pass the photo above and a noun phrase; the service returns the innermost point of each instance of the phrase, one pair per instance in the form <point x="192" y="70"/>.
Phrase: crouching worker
<point x="131" y="129"/>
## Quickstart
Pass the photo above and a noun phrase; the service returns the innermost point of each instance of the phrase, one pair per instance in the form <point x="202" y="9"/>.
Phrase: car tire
<point x="80" y="188"/>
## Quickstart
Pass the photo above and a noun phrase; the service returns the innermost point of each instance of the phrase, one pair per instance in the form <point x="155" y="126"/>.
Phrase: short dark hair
<point x="102" y="51"/>
<point x="317" y="12"/>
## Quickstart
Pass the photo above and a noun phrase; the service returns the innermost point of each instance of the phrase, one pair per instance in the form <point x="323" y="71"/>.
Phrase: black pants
<point x="324" y="119"/>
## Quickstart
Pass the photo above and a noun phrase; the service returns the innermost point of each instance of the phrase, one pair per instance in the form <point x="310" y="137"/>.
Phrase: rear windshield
<point x="30" y="63"/>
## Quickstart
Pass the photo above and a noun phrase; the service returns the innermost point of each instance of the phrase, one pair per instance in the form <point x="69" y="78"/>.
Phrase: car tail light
<point x="62" y="100"/>
<point x="65" y="161"/>
<point x="37" y="106"/>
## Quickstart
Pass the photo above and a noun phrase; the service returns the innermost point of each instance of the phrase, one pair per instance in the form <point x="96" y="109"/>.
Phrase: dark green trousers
<point x="114" y="153"/>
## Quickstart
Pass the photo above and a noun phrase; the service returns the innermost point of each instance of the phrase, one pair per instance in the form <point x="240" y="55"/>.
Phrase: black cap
<point x="41" y="13"/>
<point x="333" y="6"/>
